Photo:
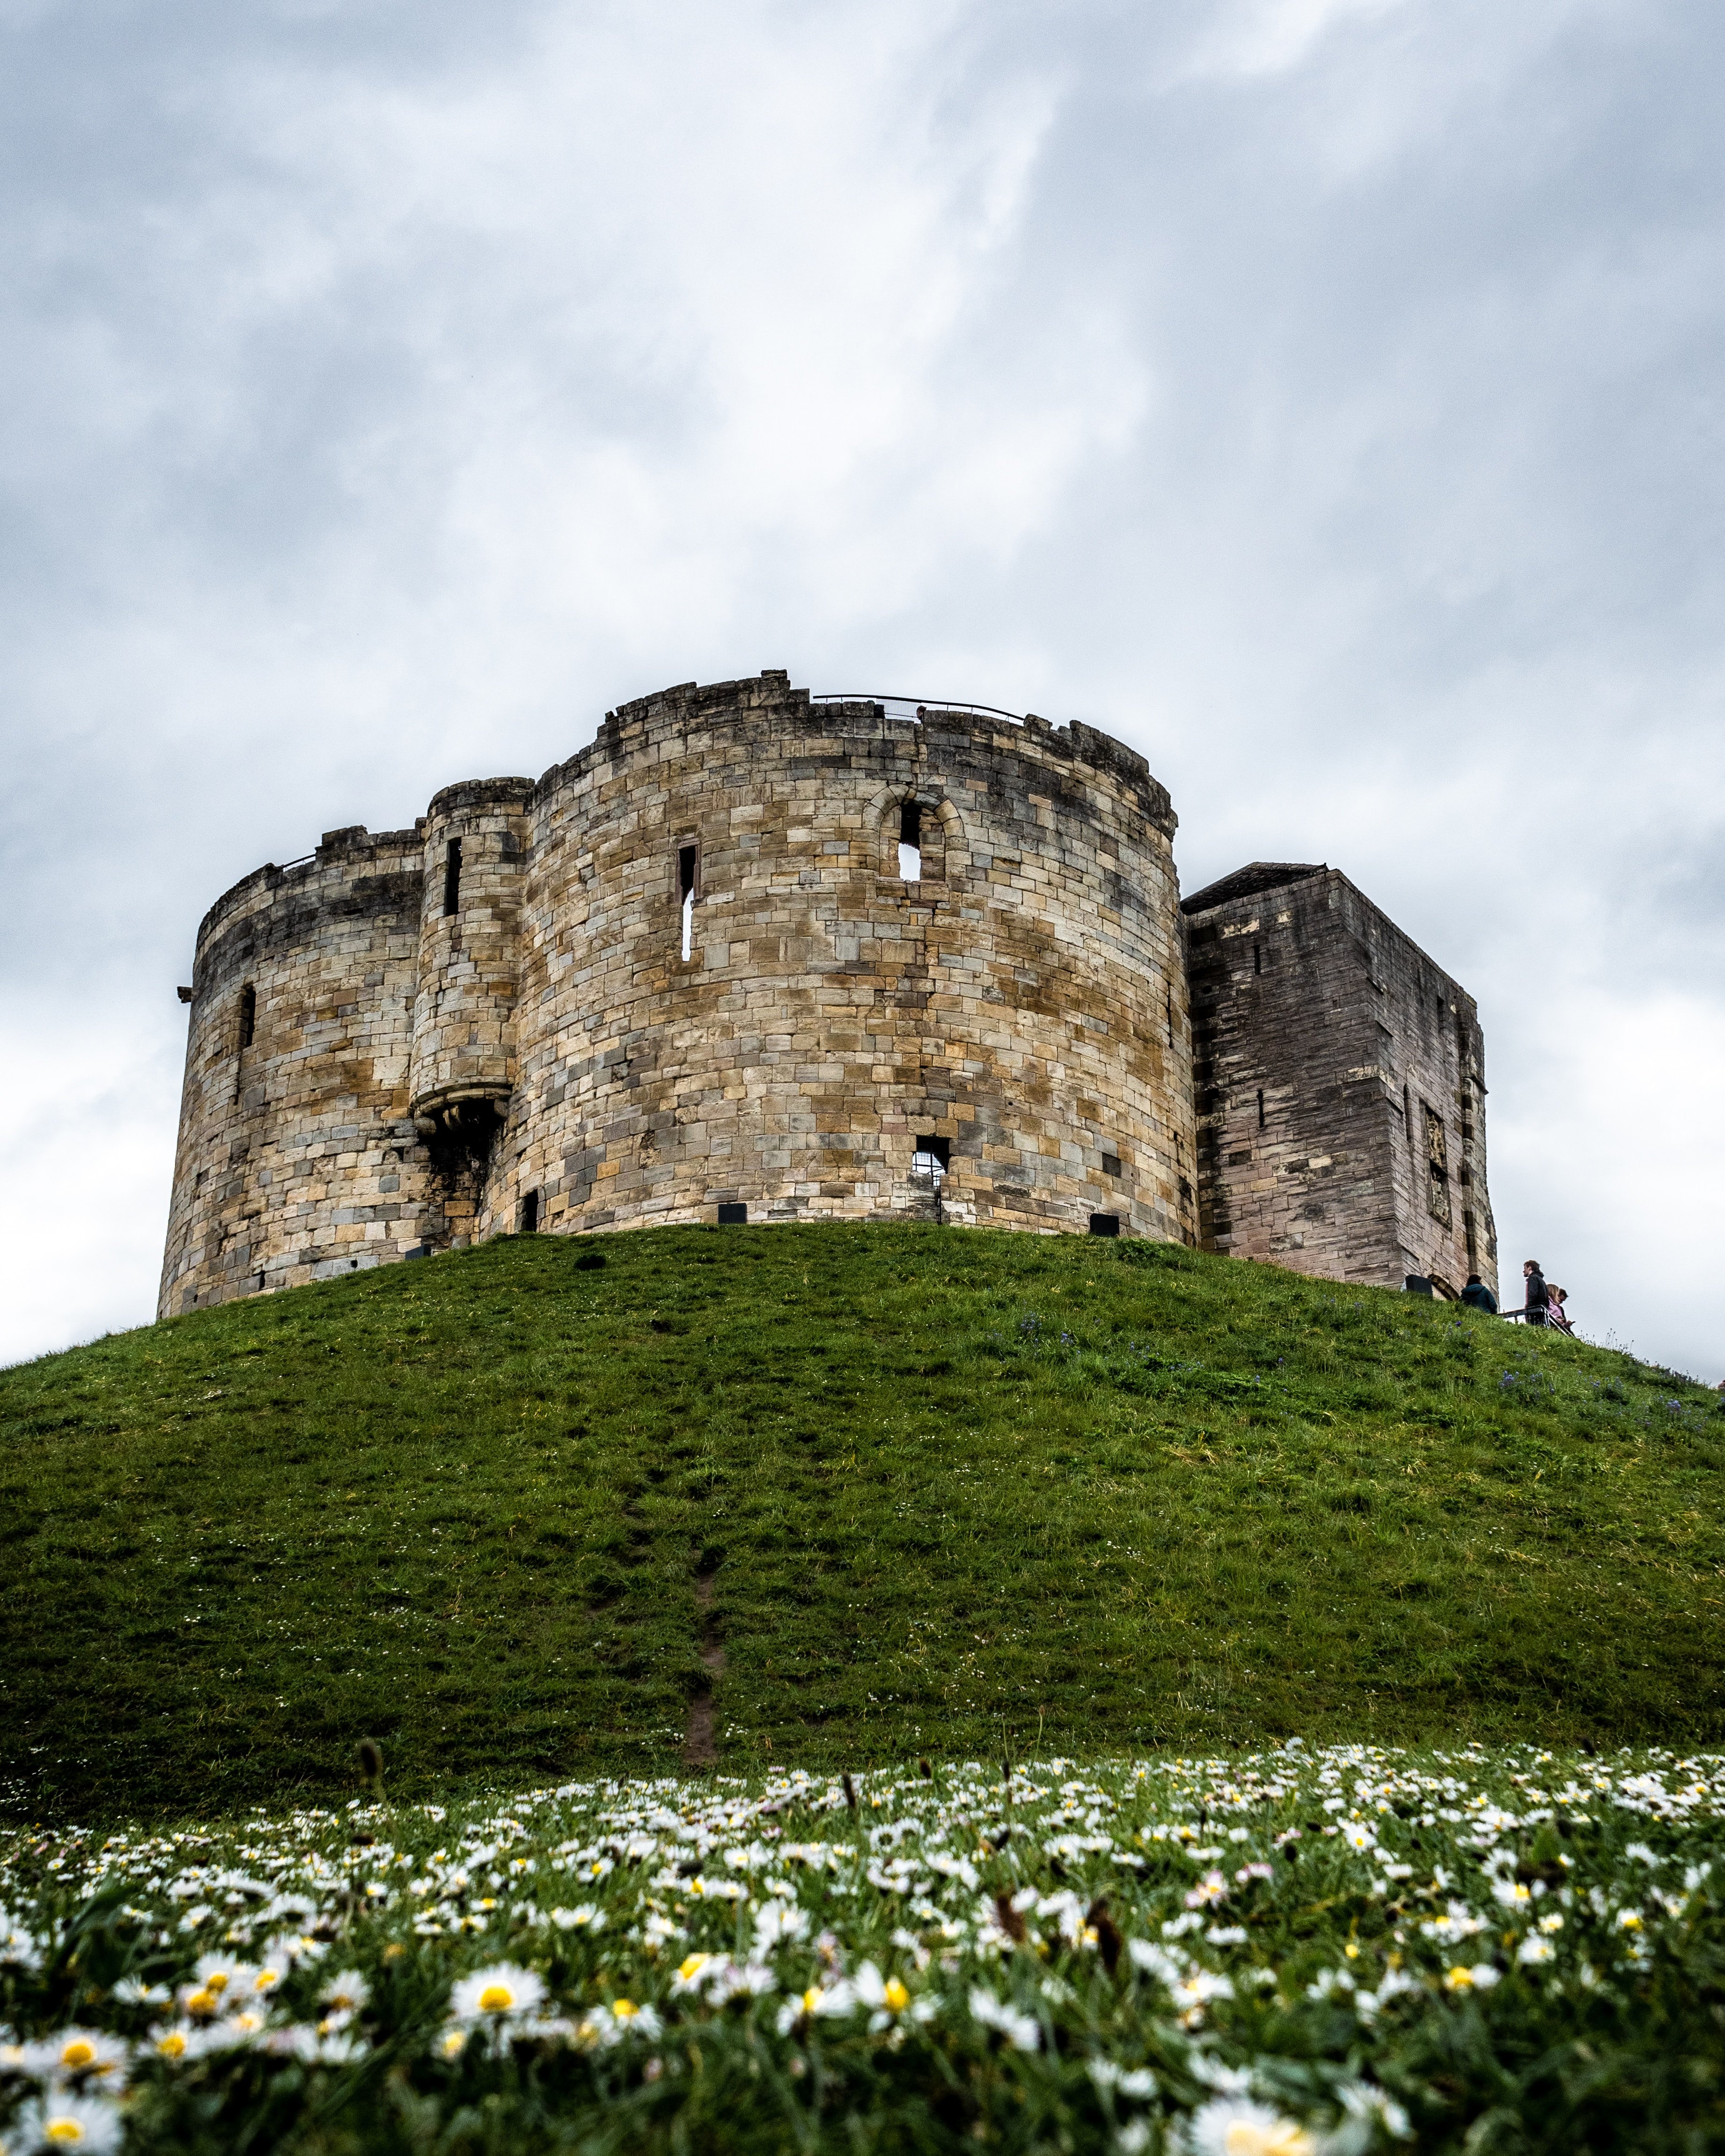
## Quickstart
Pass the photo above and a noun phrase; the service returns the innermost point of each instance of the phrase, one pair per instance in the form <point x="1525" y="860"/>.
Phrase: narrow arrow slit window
<point x="688" y="861"/>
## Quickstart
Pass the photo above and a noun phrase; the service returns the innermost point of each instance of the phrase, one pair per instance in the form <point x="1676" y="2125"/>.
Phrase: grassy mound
<point x="925" y="1490"/>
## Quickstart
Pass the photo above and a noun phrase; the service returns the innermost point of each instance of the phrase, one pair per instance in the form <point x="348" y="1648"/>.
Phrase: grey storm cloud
<point x="1322" y="395"/>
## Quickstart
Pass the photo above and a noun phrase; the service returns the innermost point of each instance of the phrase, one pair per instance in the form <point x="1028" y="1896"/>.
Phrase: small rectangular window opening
<point x="530" y="1214"/>
<point x="248" y="1015"/>
<point x="1260" y="1108"/>
<point x="452" y="878"/>
<point x="733" y="1216"/>
<point x="933" y="1157"/>
<point x="1104" y="1224"/>
<point x="910" y="842"/>
<point x="688" y="861"/>
<point x="1257" y="958"/>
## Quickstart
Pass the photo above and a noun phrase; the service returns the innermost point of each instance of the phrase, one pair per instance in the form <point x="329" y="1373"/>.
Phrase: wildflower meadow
<point x="1270" y="1953"/>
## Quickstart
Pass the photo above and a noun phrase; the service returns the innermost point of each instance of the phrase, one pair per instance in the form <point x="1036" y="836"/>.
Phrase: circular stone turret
<point x="464" y="1063"/>
<point x="811" y="959"/>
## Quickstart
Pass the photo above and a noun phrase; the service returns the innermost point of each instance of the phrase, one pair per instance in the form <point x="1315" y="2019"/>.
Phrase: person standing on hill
<point x="1478" y="1297"/>
<point x="1556" y="1314"/>
<point x="1537" y="1307"/>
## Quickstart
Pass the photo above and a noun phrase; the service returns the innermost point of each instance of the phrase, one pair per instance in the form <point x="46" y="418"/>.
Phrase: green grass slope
<point x="931" y="1491"/>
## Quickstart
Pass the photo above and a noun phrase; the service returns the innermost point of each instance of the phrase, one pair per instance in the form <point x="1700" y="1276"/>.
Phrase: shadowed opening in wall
<point x="910" y="843"/>
<point x="932" y="1157"/>
<point x="688" y="861"/>
<point x="452" y="877"/>
<point x="248" y="1015"/>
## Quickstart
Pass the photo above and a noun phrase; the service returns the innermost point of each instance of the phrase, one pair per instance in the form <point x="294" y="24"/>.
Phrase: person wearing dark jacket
<point x="1478" y="1297"/>
<point x="1539" y="1301"/>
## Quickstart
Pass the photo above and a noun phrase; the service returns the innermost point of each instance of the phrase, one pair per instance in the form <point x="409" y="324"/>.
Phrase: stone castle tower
<point x="747" y="949"/>
<point x="756" y="955"/>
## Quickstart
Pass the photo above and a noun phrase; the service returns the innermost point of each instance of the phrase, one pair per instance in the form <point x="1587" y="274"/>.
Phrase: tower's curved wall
<point x="1022" y="1000"/>
<point x="297" y="1157"/>
<point x="463" y="1052"/>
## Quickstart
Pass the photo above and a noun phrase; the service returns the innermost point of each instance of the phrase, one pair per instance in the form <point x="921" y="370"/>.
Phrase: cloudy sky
<point x="1324" y="395"/>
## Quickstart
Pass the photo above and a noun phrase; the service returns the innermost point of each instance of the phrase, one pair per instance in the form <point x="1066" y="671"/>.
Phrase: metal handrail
<point x="922" y="703"/>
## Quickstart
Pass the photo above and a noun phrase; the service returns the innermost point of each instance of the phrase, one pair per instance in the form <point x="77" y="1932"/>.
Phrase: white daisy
<point x="83" y="2123"/>
<point x="1234" y="2126"/>
<point x="496" y="1994"/>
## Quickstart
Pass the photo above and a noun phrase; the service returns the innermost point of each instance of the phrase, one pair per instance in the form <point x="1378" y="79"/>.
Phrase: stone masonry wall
<point x="297" y="1158"/>
<point x="1023" y="1001"/>
<point x="1340" y="1086"/>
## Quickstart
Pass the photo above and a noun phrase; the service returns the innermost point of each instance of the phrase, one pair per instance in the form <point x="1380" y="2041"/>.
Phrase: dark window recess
<point x="932" y="1157"/>
<point x="1185" y="1192"/>
<point x="1110" y="1163"/>
<point x="688" y="867"/>
<point x="910" y="842"/>
<point x="530" y="1214"/>
<point x="452" y="877"/>
<point x="1407" y="1117"/>
<point x="1239" y="1159"/>
<point x="1104" y="1224"/>
<point x="248" y="1015"/>
<point x="1260" y="1108"/>
<point x="733" y="1216"/>
<point x="1257" y="958"/>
